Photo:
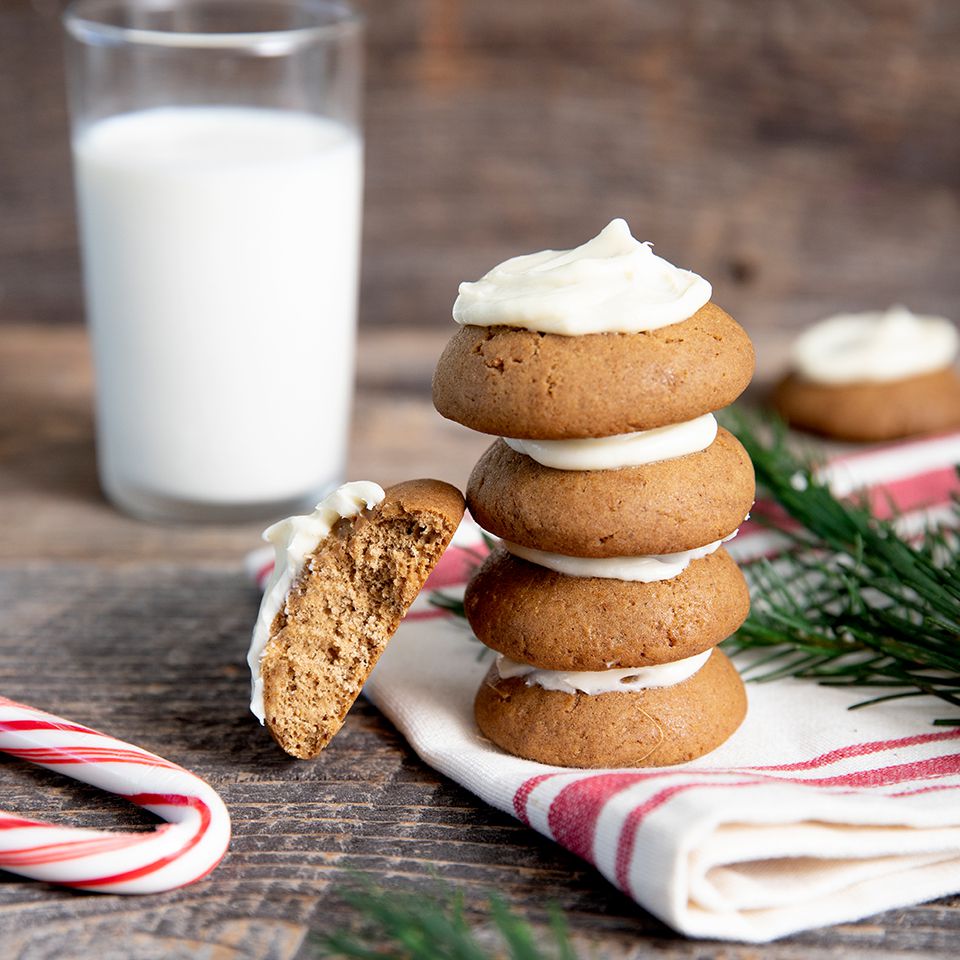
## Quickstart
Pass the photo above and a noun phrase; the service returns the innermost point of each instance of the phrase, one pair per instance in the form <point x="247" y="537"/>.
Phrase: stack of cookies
<point x="612" y="491"/>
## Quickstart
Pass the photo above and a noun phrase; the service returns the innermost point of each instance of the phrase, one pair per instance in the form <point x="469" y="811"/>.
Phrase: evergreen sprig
<point x="408" y="925"/>
<point x="856" y="600"/>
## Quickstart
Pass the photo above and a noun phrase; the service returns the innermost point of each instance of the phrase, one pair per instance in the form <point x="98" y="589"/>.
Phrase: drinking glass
<point x="218" y="162"/>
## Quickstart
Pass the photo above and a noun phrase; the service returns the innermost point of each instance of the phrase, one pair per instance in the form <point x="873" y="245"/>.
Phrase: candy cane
<point x="182" y="850"/>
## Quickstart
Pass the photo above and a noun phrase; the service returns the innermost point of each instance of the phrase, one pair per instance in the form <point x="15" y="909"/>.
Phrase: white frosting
<point x="591" y="682"/>
<point x="294" y="539"/>
<point x="874" y="347"/>
<point x="611" y="284"/>
<point x="664" y="566"/>
<point x="622" y="450"/>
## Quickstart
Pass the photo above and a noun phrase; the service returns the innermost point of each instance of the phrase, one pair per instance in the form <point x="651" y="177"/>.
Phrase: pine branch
<point x="853" y="602"/>
<point x="451" y="604"/>
<point x="407" y="925"/>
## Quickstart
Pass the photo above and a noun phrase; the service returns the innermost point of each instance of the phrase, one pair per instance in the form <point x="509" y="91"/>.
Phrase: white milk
<point x="221" y="257"/>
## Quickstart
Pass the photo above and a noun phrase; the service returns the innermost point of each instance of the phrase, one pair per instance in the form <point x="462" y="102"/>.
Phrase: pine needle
<point x="854" y="601"/>
<point x="451" y="604"/>
<point x="407" y="925"/>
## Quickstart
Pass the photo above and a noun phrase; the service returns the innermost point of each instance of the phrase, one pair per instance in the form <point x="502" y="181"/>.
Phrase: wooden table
<point x="141" y="630"/>
<point x="804" y="163"/>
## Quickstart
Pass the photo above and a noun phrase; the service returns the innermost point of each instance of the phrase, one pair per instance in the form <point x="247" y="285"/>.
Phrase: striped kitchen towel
<point x="810" y="815"/>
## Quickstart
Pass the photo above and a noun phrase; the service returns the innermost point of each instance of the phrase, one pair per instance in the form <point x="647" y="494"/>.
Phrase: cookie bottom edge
<point x="651" y="728"/>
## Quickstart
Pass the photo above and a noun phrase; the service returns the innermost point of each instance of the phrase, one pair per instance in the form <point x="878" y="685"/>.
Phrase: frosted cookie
<point x="873" y="377"/>
<point x="613" y="489"/>
<point x="519" y="383"/>
<point x="603" y="339"/>
<point x="557" y="622"/>
<point x="664" y="507"/>
<point x="643" y="727"/>
<point x="872" y="412"/>
<point x="344" y="577"/>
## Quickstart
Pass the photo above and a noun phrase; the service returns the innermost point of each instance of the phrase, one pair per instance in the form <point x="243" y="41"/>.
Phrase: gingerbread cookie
<point x="521" y="383"/>
<point x="662" y="507"/>
<point x="557" y="622"/>
<point x="873" y="376"/>
<point x="871" y="412"/>
<point x="345" y="577"/>
<point x="646" y="728"/>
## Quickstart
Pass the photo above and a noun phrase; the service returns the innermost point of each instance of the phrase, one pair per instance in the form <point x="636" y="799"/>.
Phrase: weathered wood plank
<point x="142" y="631"/>
<point x="153" y="652"/>
<point x="802" y="162"/>
<point x="50" y="502"/>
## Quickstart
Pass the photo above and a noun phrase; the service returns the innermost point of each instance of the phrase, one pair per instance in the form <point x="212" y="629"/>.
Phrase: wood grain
<point x="803" y="158"/>
<point x="142" y="631"/>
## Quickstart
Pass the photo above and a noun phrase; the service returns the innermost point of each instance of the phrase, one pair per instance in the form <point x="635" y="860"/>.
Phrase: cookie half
<point x="866" y="412"/>
<point x="519" y="383"/>
<point x="556" y="622"/>
<point x="650" y="728"/>
<point x="345" y="605"/>
<point x="663" y="507"/>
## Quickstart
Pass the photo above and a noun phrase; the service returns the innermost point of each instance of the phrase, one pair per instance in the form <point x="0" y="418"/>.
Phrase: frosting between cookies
<point x="874" y="347"/>
<point x="622" y="450"/>
<point x="649" y="569"/>
<point x="629" y="680"/>
<point x="294" y="539"/>
<point x="610" y="284"/>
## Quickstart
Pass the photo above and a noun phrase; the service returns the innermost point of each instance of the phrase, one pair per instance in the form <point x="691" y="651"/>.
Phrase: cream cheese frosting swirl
<point x="294" y="539"/>
<point x="591" y="682"/>
<point x="610" y="284"/>
<point x="622" y="450"/>
<point x="874" y="347"/>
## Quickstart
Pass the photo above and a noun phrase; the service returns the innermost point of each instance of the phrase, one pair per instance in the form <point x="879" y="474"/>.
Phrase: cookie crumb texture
<point x="872" y="412"/>
<point x="345" y="606"/>
<point x="650" y="728"/>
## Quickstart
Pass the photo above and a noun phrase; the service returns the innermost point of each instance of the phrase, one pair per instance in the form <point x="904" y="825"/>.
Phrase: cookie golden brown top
<point x="519" y="383"/>
<point x="872" y="412"/>
<point x="345" y="605"/>
<point x="663" y="507"/>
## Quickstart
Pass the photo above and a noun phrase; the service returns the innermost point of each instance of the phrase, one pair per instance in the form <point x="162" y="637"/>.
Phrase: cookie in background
<point x="869" y="377"/>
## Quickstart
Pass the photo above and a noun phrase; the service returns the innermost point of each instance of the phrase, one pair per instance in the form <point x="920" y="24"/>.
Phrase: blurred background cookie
<point x="873" y="376"/>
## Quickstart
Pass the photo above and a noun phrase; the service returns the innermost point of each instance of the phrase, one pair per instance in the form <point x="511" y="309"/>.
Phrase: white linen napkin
<point x="811" y="814"/>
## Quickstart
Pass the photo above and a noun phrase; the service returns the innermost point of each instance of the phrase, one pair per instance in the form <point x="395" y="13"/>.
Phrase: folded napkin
<point x="810" y="815"/>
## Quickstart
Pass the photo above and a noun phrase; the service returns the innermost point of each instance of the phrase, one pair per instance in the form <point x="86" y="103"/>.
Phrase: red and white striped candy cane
<point x="184" y="849"/>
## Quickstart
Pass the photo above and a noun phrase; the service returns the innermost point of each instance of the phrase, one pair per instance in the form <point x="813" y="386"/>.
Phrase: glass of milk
<point x="219" y="164"/>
